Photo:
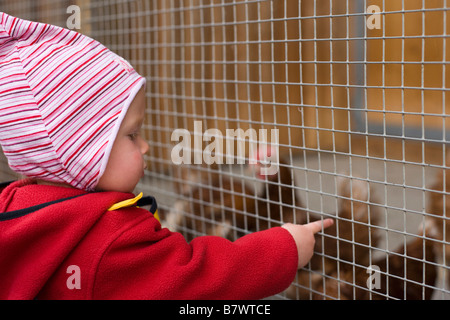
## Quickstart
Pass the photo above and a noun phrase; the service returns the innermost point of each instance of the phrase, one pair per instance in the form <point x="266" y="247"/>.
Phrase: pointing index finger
<point x="316" y="226"/>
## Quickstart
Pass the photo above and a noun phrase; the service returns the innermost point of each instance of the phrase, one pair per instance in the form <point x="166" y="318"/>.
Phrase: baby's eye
<point x="133" y="135"/>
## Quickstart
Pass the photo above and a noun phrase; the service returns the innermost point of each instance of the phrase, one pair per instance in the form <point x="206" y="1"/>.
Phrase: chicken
<point x="387" y="278"/>
<point x="278" y="203"/>
<point x="217" y="205"/>
<point x="418" y="259"/>
<point x="439" y="207"/>
<point x="346" y="264"/>
<point x="345" y="246"/>
<point x="341" y="285"/>
<point x="350" y="240"/>
<point x="189" y="176"/>
<point x="228" y="207"/>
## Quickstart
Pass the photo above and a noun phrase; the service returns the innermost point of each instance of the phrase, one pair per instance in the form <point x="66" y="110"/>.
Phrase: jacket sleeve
<point x="147" y="262"/>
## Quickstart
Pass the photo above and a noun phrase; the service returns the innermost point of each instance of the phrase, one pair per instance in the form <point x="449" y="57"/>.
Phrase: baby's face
<point x="126" y="163"/>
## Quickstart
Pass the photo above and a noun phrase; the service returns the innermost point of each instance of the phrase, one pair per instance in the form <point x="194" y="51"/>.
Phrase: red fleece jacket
<point x="125" y="254"/>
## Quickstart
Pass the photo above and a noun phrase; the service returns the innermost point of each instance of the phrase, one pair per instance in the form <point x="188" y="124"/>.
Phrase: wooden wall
<point x="410" y="58"/>
<point x="254" y="65"/>
<point x="284" y="64"/>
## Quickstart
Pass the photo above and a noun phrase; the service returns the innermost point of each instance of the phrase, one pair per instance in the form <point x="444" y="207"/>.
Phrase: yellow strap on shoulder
<point x="126" y="203"/>
<point x="156" y="215"/>
<point x="130" y="203"/>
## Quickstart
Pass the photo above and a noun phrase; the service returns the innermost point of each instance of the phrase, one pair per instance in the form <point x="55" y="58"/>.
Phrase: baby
<point x="71" y="113"/>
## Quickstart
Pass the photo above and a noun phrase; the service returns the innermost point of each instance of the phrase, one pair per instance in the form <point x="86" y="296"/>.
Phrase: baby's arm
<point x="304" y="238"/>
<point x="143" y="261"/>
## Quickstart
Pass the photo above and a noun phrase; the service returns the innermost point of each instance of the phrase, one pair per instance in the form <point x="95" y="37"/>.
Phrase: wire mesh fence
<point x="356" y="92"/>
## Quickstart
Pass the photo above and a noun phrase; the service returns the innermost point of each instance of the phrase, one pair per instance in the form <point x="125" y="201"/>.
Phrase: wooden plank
<point x="410" y="39"/>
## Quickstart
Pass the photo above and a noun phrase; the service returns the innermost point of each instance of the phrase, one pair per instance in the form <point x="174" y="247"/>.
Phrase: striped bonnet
<point x="62" y="99"/>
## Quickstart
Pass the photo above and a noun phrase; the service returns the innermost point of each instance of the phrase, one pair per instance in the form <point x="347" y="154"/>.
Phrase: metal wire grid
<point x="308" y="72"/>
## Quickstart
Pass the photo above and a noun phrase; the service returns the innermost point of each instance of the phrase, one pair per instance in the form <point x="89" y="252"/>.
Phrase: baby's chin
<point x="51" y="183"/>
<point x="122" y="188"/>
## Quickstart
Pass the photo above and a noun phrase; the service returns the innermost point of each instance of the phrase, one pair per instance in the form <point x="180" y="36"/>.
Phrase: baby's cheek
<point x="137" y="156"/>
<point x="137" y="160"/>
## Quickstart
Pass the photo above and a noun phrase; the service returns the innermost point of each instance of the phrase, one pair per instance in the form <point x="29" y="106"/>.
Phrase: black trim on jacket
<point x="22" y="212"/>
<point x="148" y="201"/>
<point x="145" y="201"/>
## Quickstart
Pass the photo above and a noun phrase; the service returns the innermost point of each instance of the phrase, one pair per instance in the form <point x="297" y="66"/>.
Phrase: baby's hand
<point x="304" y="238"/>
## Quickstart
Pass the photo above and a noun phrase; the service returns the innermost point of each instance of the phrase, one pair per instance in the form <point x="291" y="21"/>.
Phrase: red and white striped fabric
<point x="62" y="99"/>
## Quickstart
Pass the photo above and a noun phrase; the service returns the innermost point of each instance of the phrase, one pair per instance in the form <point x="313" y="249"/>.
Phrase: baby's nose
<point x="145" y="147"/>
